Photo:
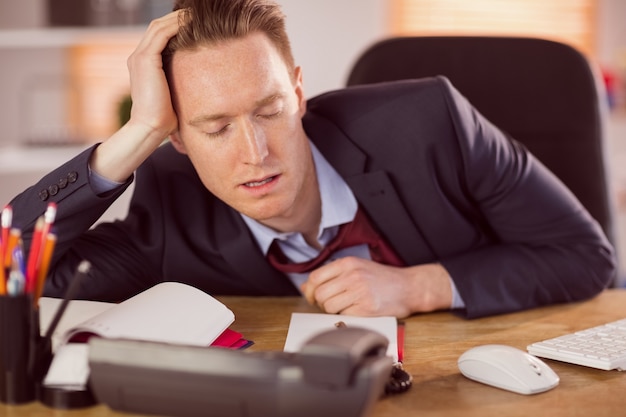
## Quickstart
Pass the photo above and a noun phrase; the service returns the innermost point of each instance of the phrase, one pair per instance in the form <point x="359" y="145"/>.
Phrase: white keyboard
<point x="602" y="347"/>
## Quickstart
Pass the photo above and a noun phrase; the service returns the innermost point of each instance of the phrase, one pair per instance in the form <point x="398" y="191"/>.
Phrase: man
<point x="256" y="178"/>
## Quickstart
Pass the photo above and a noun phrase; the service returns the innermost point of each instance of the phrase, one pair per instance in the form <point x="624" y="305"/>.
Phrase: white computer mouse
<point x="508" y="368"/>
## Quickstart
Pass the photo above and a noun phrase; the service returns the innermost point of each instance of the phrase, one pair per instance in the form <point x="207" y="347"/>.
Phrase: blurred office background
<point x="63" y="63"/>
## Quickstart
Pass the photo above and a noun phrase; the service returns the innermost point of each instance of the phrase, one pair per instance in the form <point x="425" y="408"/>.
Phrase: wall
<point x="611" y="31"/>
<point x="22" y="13"/>
<point x="327" y="36"/>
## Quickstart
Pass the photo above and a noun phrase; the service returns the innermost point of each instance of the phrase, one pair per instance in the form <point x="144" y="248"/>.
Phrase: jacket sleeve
<point x="547" y="248"/>
<point x="108" y="247"/>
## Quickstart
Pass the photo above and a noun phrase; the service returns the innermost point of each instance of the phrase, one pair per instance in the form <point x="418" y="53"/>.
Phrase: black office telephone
<point x="340" y="372"/>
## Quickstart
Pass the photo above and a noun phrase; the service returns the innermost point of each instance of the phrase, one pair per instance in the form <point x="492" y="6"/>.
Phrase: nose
<point x="255" y="144"/>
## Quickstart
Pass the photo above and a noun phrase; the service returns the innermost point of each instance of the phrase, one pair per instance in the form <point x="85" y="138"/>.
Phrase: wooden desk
<point x="433" y="344"/>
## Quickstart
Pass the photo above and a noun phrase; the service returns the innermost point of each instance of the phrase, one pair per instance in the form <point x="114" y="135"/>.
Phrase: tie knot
<point x="357" y="232"/>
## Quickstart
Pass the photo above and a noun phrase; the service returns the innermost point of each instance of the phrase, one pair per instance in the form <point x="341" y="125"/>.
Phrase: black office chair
<point x="542" y="93"/>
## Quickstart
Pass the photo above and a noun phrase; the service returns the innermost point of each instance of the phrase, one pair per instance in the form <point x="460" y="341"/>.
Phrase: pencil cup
<point x="18" y="340"/>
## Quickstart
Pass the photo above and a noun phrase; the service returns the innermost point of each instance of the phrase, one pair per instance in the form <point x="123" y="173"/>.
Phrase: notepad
<point x="303" y="326"/>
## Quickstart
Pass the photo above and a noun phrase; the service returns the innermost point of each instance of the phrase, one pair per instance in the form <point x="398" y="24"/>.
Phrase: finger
<point x="148" y="53"/>
<point x="337" y="303"/>
<point x="308" y="291"/>
<point x="159" y="32"/>
<point x="317" y="278"/>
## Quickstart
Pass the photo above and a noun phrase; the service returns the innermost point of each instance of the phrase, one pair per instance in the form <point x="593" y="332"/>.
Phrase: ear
<point x="299" y="90"/>
<point x="178" y="143"/>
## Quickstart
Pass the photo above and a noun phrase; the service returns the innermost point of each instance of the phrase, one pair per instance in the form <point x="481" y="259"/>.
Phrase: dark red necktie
<point x="357" y="232"/>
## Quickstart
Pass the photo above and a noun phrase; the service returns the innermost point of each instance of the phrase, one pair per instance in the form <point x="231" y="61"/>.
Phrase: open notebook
<point x="169" y="312"/>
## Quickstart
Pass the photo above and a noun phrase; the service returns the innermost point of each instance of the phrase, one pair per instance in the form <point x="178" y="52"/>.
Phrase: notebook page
<point x="169" y="312"/>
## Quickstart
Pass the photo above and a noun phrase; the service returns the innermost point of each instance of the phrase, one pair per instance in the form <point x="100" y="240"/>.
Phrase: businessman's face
<point x="239" y="112"/>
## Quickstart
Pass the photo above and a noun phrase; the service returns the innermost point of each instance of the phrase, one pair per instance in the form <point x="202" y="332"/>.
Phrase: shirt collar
<point x="338" y="206"/>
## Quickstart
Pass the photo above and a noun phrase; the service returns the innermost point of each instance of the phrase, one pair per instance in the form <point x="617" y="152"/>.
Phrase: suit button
<point x="53" y="189"/>
<point x="43" y="195"/>
<point x="62" y="183"/>
<point x="72" y="176"/>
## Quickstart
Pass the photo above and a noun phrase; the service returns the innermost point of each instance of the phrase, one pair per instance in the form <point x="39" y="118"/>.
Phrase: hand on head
<point x="152" y="117"/>
<point x="152" y="104"/>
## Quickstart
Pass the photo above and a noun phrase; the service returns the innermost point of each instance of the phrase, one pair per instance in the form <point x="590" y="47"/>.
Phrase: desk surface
<point x="433" y="344"/>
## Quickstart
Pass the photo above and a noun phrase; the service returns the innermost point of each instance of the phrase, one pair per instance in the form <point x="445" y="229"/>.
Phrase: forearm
<point x="511" y="277"/>
<point x="119" y="156"/>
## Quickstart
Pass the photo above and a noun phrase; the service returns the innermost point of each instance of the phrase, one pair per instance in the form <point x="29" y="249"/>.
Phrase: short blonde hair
<point x="210" y="21"/>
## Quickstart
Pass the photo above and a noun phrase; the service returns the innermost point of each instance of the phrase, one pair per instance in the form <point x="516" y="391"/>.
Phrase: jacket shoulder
<point x="364" y="96"/>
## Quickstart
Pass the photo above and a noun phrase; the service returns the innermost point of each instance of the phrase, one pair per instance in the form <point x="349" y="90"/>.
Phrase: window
<point x="567" y="21"/>
<point x="100" y="83"/>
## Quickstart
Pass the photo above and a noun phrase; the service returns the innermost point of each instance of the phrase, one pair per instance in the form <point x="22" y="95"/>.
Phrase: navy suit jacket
<point x="438" y="180"/>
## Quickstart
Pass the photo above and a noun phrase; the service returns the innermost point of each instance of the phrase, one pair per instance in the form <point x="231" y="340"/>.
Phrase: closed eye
<point x="218" y="133"/>
<point x="270" y="116"/>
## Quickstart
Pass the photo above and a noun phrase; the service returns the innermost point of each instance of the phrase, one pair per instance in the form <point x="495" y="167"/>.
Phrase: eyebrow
<point x="212" y="117"/>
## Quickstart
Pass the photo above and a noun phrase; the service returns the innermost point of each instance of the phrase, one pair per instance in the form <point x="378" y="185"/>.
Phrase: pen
<point x="15" y="284"/>
<point x="400" y="341"/>
<point x="81" y="272"/>
<point x="14" y="239"/>
<point x="17" y="263"/>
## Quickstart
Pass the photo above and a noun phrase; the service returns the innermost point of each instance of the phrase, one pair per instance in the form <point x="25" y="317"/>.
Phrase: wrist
<point x="430" y="288"/>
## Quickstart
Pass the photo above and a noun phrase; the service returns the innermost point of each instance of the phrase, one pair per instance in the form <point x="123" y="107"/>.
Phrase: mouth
<point x="255" y="184"/>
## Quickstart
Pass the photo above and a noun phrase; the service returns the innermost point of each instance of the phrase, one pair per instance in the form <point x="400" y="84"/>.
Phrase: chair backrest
<point x="544" y="94"/>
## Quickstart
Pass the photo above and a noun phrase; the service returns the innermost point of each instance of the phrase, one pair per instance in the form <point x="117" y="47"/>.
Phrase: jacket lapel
<point x="377" y="195"/>
<point x="240" y="250"/>
<point x="374" y="190"/>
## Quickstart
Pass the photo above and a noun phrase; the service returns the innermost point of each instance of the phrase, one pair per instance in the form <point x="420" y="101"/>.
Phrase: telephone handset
<point x="335" y="357"/>
<point x="340" y="372"/>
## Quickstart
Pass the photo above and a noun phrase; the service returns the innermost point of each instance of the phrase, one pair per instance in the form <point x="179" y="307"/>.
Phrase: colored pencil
<point x="44" y="267"/>
<point x="33" y="256"/>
